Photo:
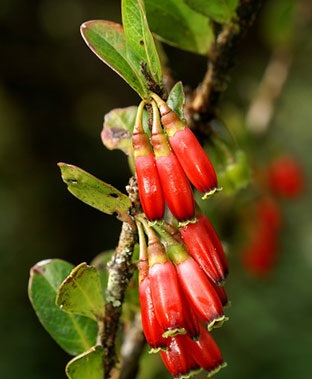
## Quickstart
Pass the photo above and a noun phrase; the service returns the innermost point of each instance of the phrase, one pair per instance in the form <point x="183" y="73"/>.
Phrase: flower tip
<point x="155" y="350"/>
<point x="156" y="222"/>
<point x="217" y="323"/>
<point x="216" y="370"/>
<point x="173" y="332"/>
<point x="189" y="374"/>
<point x="186" y="222"/>
<point x="211" y="192"/>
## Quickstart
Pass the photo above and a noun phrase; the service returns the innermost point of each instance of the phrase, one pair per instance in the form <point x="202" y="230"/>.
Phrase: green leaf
<point x="81" y="293"/>
<point x="139" y="38"/>
<point x="177" y="24"/>
<point x="118" y="128"/>
<point x="94" y="192"/>
<point x="75" y="334"/>
<point x="100" y="263"/>
<point x="107" y="40"/>
<point x="219" y="10"/>
<point x="176" y="99"/>
<point x="88" y="365"/>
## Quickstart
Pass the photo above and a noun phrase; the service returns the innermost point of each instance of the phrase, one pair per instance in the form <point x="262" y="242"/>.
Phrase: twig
<point x="120" y="271"/>
<point x="131" y="349"/>
<point x="262" y="107"/>
<point x="221" y="60"/>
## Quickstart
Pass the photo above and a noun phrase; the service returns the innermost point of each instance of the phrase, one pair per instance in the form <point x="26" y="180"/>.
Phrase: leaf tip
<point x="39" y="268"/>
<point x="84" y="26"/>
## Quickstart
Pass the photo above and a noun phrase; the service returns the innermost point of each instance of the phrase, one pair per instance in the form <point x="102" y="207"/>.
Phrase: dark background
<point x="53" y="96"/>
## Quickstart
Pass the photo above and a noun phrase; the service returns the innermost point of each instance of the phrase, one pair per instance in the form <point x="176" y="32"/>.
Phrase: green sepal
<point x="217" y="323"/>
<point x="173" y="332"/>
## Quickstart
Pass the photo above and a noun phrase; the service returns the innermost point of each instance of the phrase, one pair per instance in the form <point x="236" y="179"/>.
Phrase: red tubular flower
<point x="222" y="294"/>
<point x="191" y="155"/>
<point x="151" y="327"/>
<point x="191" y="322"/>
<point x="150" y="191"/>
<point x="286" y="177"/>
<point x="167" y="298"/>
<point x="185" y="357"/>
<point x="177" y="359"/>
<point x="268" y="214"/>
<point x="196" y="286"/>
<point x="166" y="295"/>
<point x="200" y="293"/>
<point x="203" y="219"/>
<point x="176" y="187"/>
<point x="260" y="253"/>
<point x="204" y="246"/>
<point x="206" y="352"/>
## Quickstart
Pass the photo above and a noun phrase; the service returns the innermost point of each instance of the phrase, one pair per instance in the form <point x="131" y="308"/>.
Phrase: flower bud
<point x="286" y="177"/>
<point x="150" y="191"/>
<point x="260" y="253"/>
<point x="220" y="290"/>
<point x="176" y="187"/>
<point x="177" y="359"/>
<point x="190" y="153"/>
<point x="204" y="246"/>
<point x="151" y="327"/>
<point x="165" y="289"/>
<point x="215" y="241"/>
<point x="200" y="293"/>
<point x="206" y="352"/>
<point x="194" y="283"/>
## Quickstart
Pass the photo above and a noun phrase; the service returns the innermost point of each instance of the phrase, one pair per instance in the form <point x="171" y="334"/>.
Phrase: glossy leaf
<point x="81" y="293"/>
<point x="219" y="10"/>
<point x="75" y="334"/>
<point x="107" y="40"/>
<point x="177" y="24"/>
<point x="139" y="38"/>
<point x="94" y="192"/>
<point x="176" y="99"/>
<point x="88" y="365"/>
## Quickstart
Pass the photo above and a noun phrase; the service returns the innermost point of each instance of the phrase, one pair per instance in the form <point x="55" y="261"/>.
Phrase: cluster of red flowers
<point x="282" y="178"/>
<point x="182" y="266"/>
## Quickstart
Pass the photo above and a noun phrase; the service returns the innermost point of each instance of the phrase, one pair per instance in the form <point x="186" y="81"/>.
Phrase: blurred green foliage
<point x="53" y="96"/>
